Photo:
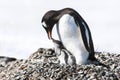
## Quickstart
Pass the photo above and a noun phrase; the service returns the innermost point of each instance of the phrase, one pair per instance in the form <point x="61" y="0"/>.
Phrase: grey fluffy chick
<point x="63" y="54"/>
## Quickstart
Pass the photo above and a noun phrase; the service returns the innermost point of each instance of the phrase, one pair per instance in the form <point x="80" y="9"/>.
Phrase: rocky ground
<point x="44" y="65"/>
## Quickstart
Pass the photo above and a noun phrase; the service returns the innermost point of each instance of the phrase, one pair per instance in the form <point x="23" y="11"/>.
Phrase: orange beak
<point x="49" y="34"/>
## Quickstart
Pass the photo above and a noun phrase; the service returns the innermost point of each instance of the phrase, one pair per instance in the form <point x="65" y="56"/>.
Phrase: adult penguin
<point x="73" y="33"/>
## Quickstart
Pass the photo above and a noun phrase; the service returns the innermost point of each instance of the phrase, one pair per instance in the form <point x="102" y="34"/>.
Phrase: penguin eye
<point x="44" y="24"/>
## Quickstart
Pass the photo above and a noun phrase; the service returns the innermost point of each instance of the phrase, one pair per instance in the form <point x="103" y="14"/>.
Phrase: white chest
<point x="70" y="35"/>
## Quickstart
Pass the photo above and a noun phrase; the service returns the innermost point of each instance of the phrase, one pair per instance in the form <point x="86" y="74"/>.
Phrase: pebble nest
<point x="44" y="65"/>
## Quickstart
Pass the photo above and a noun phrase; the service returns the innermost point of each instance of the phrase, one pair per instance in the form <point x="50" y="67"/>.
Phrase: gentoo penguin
<point x="72" y="31"/>
<point x="63" y="54"/>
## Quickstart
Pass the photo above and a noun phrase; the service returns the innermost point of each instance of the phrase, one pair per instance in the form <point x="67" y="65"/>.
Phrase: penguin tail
<point x="97" y="63"/>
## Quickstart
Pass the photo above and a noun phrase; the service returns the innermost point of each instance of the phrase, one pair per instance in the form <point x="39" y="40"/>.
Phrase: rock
<point x="4" y="60"/>
<point x="44" y="65"/>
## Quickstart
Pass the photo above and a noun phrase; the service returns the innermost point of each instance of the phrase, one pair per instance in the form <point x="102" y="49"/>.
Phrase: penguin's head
<point x="48" y="21"/>
<point x="52" y="17"/>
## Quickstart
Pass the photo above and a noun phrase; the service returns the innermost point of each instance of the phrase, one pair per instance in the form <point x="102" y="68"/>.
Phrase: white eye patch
<point x="44" y="24"/>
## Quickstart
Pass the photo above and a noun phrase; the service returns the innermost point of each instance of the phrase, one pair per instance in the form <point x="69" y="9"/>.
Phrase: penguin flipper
<point x="86" y="36"/>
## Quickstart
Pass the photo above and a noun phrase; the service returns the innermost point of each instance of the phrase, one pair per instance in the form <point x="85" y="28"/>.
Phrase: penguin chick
<point x="63" y="54"/>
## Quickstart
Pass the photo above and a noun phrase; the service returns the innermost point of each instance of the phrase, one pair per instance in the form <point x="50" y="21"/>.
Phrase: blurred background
<point x="21" y="32"/>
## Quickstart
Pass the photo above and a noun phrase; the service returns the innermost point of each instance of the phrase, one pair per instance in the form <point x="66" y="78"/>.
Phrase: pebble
<point x="44" y="65"/>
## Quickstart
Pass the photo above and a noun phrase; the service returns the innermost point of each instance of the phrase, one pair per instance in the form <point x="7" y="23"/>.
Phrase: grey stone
<point x="44" y="65"/>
